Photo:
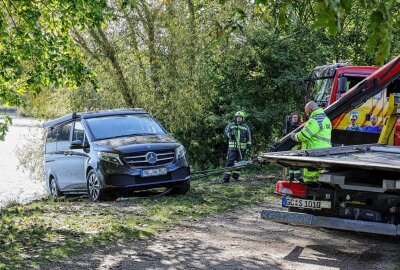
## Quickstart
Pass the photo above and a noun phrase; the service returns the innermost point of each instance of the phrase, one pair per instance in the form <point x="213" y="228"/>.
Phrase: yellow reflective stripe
<point x="322" y="138"/>
<point x="305" y="180"/>
<point x="308" y="131"/>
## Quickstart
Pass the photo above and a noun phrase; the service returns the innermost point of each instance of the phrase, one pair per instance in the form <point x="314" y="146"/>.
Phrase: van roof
<point x="92" y="114"/>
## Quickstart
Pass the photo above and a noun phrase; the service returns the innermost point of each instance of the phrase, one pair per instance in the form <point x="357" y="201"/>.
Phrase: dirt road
<point x="241" y="240"/>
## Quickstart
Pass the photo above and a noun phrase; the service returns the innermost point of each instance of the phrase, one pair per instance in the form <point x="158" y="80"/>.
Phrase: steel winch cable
<point x="166" y="191"/>
<point x="196" y="175"/>
<point x="207" y="173"/>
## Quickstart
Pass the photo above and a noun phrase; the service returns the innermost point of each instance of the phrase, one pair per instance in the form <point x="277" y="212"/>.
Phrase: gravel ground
<point x="242" y="240"/>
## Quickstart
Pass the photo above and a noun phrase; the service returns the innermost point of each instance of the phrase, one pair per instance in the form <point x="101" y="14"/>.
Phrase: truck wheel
<point x="93" y="187"/>
<point x="54" y="191"/>
<point x="180" y="189"/>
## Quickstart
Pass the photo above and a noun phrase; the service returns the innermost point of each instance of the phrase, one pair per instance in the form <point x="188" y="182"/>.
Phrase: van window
<point x="78" y="133"/>
<point x="63" y="137"/>
<point x="51" y="141"/>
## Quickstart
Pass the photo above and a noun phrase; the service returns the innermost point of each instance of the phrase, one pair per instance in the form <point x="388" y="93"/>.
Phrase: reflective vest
<point x="242" y="137"/>
<point x="316" y="133"/>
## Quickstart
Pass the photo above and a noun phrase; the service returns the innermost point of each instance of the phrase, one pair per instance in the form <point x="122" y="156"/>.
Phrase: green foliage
<point x="36" y="49"/>
<point x="4" y="127"/>
<point x="382" y="19"/>
<point x="192" y="64"/>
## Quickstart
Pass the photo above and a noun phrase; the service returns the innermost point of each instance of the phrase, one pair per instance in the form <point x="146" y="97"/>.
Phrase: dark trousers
<point x="232" y="156"/>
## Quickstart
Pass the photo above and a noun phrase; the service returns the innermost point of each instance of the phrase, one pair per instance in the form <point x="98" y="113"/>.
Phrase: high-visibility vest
<point x="316" y="133"/>
<point x="242" y="136"/>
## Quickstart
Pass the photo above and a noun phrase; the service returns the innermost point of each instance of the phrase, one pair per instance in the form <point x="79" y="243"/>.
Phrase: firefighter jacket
<point x="316" y="133"/>
<point x="239" y="136"/>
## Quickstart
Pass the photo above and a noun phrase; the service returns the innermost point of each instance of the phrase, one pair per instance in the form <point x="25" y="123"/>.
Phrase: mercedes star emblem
<point x="151" y="157"/>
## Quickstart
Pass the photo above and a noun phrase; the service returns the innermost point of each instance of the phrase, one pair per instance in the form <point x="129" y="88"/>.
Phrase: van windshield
<point x="123" y="125"/>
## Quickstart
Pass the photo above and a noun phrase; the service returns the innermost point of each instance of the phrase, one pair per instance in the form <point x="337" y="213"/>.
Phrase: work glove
<point x="293" y="137"/>
<point x="232" y="135"/>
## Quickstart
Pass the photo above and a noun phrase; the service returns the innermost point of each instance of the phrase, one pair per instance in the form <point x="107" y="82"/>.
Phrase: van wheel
<point x="180" y="189"/>
<point x="93" y="186"/>
<point x="54" y="191"/>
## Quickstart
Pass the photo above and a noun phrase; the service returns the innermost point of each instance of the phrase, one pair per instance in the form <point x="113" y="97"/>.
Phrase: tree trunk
<point x="193" y="37"/>
<point x="148" y="21"/>
<point x="132" y="31"/>
<point x="100" y="37"/>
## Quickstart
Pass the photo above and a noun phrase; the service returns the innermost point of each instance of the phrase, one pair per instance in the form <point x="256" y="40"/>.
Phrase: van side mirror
<point x="78" y="144"/>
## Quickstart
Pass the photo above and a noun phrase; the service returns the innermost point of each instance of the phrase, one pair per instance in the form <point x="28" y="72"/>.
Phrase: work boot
<point x="225" y="180"/>
<point x="236" y="179"/>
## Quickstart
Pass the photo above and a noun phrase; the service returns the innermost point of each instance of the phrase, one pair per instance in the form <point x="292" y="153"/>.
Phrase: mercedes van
<point x="95" y="152"/>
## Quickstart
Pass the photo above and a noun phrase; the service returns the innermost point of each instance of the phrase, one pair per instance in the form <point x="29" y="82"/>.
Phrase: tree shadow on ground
<point x="159" y="254"/>
<point x="242" y="240"/>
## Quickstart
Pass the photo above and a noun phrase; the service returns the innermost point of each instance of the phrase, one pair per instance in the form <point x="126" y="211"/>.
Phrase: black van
<point x="94" y="152"/>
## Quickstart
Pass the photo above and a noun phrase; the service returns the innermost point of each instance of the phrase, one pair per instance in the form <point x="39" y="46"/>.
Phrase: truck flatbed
<point x="365" y="157"/>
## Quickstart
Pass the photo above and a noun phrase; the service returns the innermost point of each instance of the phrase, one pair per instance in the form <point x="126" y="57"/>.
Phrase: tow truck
<point x="328" y="83"/>
<point x="359" y="186"/>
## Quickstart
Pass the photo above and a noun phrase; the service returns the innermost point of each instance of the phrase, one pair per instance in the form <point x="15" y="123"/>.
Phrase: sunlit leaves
<point x="383" y="19"/>
<point x="35" y="47"/>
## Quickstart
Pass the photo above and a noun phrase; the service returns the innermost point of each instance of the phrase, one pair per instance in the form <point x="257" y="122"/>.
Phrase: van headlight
<point x="180" y="152"/>
<point x="110" y="157"/>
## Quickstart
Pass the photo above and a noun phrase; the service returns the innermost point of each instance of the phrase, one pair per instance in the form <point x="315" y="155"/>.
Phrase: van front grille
<point x="141" y="159"/>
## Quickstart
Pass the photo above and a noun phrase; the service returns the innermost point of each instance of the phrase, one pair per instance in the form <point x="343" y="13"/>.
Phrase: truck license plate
<point x="154" y="172"/>
<point x="302" y="203"/>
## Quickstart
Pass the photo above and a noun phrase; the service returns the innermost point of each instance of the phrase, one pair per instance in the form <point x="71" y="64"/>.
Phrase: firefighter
<point x="316" y="133"/>
<point x="239" y="136"/>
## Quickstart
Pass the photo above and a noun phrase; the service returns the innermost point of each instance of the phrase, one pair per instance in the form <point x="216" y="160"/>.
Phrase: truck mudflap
<point x="331" y="222"/>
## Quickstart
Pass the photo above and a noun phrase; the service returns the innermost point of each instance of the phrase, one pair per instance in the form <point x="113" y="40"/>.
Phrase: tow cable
<point x="238" y="166"/>
<point x="197" y="175"/>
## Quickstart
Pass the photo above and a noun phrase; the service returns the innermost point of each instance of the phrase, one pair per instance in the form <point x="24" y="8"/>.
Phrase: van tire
<point x="54" y="191"/>
<point x="94" y="190"/>
<point x="180" y="189"/>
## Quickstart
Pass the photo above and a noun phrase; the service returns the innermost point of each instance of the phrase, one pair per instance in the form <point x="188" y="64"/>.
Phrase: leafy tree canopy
<point x="383" y="18"/>
<point x="35" y="47"/>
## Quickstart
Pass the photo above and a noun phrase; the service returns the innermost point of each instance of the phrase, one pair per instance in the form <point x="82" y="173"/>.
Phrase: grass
<point x="48" y="230"/>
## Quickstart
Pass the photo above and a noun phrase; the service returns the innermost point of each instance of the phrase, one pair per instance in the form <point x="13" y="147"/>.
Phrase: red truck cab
<point x="326" y="84"/>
